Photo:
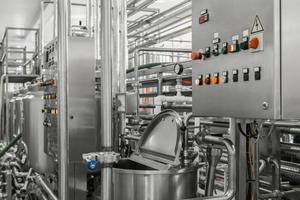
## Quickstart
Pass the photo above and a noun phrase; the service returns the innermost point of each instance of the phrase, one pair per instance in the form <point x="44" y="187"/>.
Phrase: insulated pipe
<point x="231" y="190"/>
<point x="63" y="15"/>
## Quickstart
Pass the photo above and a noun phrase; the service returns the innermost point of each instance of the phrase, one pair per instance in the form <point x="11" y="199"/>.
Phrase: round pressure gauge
<point x="178" y="68"/>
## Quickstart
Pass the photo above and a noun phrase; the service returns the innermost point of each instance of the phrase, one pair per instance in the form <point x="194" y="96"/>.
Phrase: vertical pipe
<point x="63" y="14"/>
<point x="97" y="29"/>
<point x="6" y="90"/>
<point x="24" y="60"/>
<point x="90" y="15"/>
<point x="54" y="18"/>
<point x="123" y="56"/>
<point x="42" y="37"/>
<point x="236" y="140"/>
<point x="69" y="26"/>
<point x="240" y="174"/>
<point x="137" y="83"/>
<point x="213" y="157"/>
<point x="106" y="79"/>
<point x="256" y="169"/>
<point x="106" y="94"/>
<point x="115" y="34"/>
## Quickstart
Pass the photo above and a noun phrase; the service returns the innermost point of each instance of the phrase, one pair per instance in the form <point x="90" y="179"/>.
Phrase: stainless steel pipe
<point x="106" y="79"/>
<point x="141" y="6"/>
<point x="163" y="38"/>
<point x="63" y="15"/>
<point x="172" y="19"/>
<point x="158" y="16"/>
<point x="231" y="190"/>
<point x="106" y="94"/>
<point x="40" y="181"/>
<point x="213" y="157"/>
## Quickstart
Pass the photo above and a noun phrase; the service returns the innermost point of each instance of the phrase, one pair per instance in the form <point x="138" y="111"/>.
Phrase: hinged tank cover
<point x="162" y="140"/>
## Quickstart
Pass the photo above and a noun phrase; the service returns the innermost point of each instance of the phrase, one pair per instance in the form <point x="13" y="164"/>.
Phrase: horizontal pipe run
<point x="158" y="16"/>
<point x="157" y="25"/>
<point x="171" y="50"/>
<point x="152" y="10"/>
<point x="141" y="6"/>
<point x="163" y="38"/>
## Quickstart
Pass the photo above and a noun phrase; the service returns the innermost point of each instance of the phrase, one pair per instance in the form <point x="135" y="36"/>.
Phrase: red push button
<point x="196" y="55"/>
<point x="254" y="43"/>
<point x="207" y="80"/>
<point x="203" y="18"/>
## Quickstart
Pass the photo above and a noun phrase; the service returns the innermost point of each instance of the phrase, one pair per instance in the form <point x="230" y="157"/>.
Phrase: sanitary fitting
<point x="105" y="159"/>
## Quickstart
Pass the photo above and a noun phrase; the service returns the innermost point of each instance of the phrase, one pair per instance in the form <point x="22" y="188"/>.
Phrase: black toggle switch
<point x="235" y="75"/>
<point x="207" y="52"/>
<point x="246" y="74"/>
<point x="257" y="73"/>
<point x="245" y="44"/>
<point x="215" y="50"/>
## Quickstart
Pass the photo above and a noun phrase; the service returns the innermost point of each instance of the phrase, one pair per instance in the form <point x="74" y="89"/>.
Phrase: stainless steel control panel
<point x="237" y="52"/>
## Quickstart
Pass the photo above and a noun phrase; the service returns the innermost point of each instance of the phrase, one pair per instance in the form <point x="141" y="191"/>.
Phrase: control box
<point x="245" y="59"/>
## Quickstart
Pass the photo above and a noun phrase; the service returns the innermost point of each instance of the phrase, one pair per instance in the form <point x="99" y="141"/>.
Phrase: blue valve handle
<point x="91" y="164"/>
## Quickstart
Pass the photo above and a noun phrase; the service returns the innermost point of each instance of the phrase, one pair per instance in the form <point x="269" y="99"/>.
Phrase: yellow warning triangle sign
<point x="257" y="26"/>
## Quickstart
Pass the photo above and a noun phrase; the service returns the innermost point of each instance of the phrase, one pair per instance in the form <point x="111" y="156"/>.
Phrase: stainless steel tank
<point x="12" y="119"/>
<point x="154" y="172"/>
<point x="33" y="134"/>
<point x="133" y="181"/>
<point x="19" y="115"/>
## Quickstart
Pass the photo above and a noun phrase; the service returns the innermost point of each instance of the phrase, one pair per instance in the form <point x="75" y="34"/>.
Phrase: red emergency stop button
<point x="254" y="43"/>
<point x="196" y="55"/>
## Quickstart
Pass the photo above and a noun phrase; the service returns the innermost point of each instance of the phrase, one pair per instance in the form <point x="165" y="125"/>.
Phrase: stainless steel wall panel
<point x="290" y="63"/>
<point x="82" y="104"/>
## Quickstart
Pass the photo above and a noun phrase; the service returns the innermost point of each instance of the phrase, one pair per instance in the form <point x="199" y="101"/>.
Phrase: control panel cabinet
<point x="244" y="59"/>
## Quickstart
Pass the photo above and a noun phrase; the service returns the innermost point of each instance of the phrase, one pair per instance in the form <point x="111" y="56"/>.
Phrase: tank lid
<point x="162" y="140"/>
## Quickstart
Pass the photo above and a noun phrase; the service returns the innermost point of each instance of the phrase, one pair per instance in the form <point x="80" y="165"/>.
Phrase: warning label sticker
<point x="257" y="26"/>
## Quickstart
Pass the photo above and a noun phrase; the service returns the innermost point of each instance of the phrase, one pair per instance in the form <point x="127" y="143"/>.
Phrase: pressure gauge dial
<point x="178" y="68"/>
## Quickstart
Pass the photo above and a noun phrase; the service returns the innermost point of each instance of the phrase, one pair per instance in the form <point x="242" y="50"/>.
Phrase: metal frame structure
<point x="7" y="77"/>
